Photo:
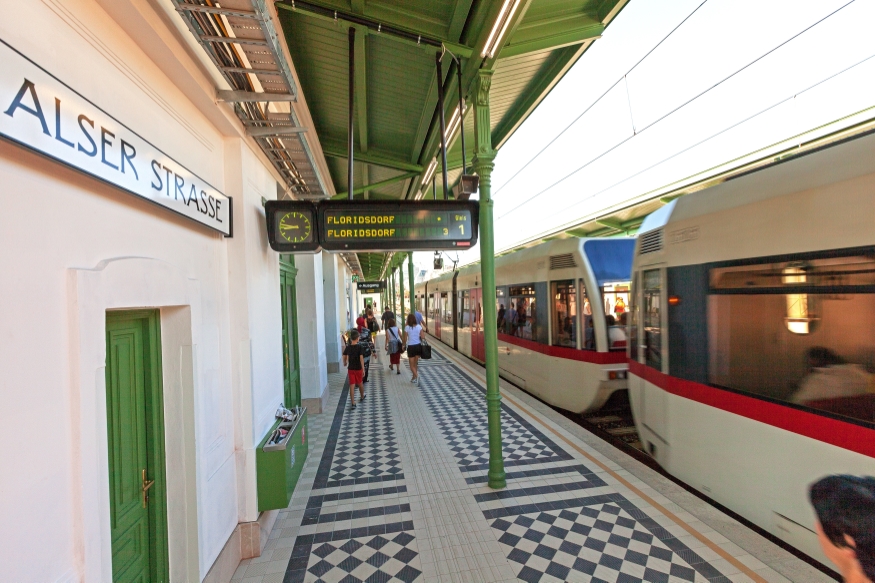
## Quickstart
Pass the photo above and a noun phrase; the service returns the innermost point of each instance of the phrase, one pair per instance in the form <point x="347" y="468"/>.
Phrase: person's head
<point x="502" y="306"/>
<point x="610" y="320"/>
<point x="845" y="508"/>
<point x="820" y="357"/>
<point x="391" y="322"/>
<point x="370" y="313"/>
<point x="411" y="320"/>
<point x="353" y="336"/>
<point x="623" y="318"/>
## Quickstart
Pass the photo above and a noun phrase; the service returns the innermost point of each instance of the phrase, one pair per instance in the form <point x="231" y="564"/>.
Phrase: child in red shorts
<point x="354" y="360"/>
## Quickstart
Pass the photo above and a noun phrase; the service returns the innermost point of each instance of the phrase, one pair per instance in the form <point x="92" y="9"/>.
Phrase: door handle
<point x="146" y="485"/>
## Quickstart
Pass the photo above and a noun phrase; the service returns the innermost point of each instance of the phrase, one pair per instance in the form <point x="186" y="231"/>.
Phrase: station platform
<point x="395" y="490"/>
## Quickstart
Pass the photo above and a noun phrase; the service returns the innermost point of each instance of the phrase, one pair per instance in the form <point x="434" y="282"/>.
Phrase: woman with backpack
<point x="393" y="345"/>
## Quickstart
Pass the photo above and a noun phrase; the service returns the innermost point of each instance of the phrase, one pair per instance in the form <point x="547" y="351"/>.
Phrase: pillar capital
<point x="482" y="129"/>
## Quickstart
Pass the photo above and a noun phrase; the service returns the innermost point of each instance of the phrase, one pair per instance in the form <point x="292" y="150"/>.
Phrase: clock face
<point x="295" y="227"/>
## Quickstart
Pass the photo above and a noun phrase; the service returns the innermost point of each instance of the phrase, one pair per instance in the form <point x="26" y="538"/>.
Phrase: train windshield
<point x="611" y="263"/>
<point x="797" y="331"/>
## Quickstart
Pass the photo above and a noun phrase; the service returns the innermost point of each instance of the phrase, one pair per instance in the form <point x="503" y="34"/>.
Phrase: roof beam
<point x="336" y="151"/>
<point x="542" y="39"/>
<point x="410" y="33"/>
<point x="376" y="185"/>
<point x="457" y="21"/>
<point x="610" y="223"/>
<point x="252" y="96"/>
<point x="213" y="10"/>
<point x="274" y="131"/>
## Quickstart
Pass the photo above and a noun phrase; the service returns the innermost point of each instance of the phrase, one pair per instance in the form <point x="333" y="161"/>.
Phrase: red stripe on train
<point x="839" y="433"/>
<point x="590" y="356"/>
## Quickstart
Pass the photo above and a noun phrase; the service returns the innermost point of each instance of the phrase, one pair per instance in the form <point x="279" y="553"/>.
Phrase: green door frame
<point x="153" y="402"/>
<point x="288" y="296"/>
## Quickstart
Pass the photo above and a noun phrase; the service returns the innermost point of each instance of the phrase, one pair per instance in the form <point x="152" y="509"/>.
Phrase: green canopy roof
<point x="396" y="96"/>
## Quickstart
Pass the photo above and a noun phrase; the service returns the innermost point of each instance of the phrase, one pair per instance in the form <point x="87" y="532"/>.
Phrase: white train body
<point x="733" y="288"/>
<point x="549" y="349"/>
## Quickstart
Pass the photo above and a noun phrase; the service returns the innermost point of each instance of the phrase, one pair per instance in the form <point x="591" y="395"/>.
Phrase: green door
<point x="135" y="429"/>
<point x="291" y="367"/>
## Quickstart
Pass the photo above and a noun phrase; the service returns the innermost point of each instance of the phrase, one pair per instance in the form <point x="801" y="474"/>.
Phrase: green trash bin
<point x="278" y="465"/>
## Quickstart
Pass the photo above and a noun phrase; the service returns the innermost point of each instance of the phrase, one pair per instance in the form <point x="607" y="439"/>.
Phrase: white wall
<point x="331" y="275"/>
<point x="76" y="247"/>
<point x="311" y="328"/>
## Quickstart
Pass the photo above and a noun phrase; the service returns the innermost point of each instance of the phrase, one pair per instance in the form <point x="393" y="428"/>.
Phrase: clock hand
<point x="289" y="227"/>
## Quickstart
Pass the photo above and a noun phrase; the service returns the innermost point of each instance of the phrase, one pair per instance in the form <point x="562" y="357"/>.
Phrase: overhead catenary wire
<point x="667" y="114"/>
<point x="602" y="96"/>
<point x="723" y="131"/>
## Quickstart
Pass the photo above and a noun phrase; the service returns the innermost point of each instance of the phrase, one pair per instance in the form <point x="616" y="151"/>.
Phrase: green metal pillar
<point x="392" y="291"/>
<point x="483" y="164"/>
<point x="401" y="297"/>
<point x="410" y="279"/>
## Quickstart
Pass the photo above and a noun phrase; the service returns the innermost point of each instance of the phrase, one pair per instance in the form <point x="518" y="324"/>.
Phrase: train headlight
<point x="614" y="375"/>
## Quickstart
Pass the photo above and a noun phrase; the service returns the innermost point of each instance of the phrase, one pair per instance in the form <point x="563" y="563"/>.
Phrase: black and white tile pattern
<point x="603" y="537"/>
<point x="559" y="534"/>
<point x="370" y="557"/>
<point x="360" y="463"/>
<point x="459" y="409"/>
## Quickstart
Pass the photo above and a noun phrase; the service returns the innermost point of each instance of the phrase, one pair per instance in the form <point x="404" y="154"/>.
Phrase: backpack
<point x="394" y="342"/>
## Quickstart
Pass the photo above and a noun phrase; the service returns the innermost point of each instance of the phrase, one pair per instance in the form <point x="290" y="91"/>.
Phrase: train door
<point x="455" y="311"/>
<point x="478" y="348"/>
<point x="650" y="324"/>
<point x="436" y="315"/>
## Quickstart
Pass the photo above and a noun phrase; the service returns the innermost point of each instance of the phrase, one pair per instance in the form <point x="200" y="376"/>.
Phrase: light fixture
<point x="430" y="171"/>
<point x="455" y="120"/>
<point x="500" y="27"/>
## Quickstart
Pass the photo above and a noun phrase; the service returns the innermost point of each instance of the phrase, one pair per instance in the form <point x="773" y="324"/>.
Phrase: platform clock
<point x="295" y="227"/>
<point x="291" y="226"/>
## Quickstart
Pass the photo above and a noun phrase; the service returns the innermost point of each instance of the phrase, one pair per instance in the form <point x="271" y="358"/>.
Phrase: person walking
<point x="387" y="315"/>
<point x="411" y="338"/>
<point x="420" y="320"/>
<point x="354" y="360"/>
<point x="393" y="345"/>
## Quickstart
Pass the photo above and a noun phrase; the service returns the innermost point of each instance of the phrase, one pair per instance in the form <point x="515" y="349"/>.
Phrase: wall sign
<point x="371" y="286"/>
<point x="39" y="111"/>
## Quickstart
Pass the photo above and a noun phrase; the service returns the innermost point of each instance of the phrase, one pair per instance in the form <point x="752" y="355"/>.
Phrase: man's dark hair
<point x="353" y="334"/>
<point x="845" y="505"/>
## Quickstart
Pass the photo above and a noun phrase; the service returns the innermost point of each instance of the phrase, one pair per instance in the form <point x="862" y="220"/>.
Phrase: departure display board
<point x="292" y="226"/>
<point x="403" y="226"/>
<point x="306" y="227"/>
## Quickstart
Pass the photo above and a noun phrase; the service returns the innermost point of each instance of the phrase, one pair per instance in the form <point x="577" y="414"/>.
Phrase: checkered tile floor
<point x="459" y="408"/>
<point x="396" y="490"/>
<point x="360" y="462"/>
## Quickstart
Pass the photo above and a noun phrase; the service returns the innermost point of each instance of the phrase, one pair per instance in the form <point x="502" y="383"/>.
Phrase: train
<point x="745" y="333"/>
<point x="561" y="306"/>
<point x="752" y="335"/>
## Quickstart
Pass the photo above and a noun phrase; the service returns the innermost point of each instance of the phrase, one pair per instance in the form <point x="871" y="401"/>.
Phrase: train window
<point x="588" y="336"/>
<point x="632" y="326"/>
<point x="446" y="311"/>
<point x="522" y="320"/>
<point x="799" y="332"/>
<point x="564" y="313"/>
<point x="616" y="296"/>
<point x="651" y="314"/>
<point x="464" y="307"/>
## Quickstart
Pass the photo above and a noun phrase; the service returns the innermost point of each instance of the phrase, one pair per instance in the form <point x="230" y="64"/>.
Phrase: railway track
<point x="613" y="422"/>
